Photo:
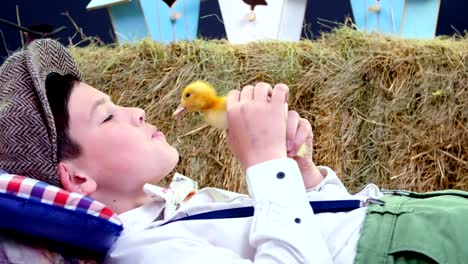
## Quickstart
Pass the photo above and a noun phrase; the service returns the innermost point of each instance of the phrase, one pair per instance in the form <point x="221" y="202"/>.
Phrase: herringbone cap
<point x="28" y="139"/>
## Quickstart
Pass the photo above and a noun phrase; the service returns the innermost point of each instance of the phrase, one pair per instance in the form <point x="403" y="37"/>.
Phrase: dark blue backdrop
<point x="96" y="23"/>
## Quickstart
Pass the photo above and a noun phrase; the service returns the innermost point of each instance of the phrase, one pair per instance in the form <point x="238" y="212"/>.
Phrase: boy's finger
<point x="291" y="129"/>
<point x="304" y="131"/>
<point x="280" y="93"/>
<point x="247" y="93"/>
<point x="233" y="97"/>
<point x="262" y="91"/>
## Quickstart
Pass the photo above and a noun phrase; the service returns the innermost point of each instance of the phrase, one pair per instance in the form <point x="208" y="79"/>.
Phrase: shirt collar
<point x="166" y="200"/>
<point x="180" y="190"/>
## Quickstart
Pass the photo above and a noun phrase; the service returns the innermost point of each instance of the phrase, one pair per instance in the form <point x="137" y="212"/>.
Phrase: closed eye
<point x="109" y="118"/>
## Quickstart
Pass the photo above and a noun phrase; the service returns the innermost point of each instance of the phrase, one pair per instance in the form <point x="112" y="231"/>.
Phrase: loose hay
<point x="384" y="110"/>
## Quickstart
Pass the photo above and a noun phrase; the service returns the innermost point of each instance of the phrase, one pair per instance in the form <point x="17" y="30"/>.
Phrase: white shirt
<point x="272" y="235"/>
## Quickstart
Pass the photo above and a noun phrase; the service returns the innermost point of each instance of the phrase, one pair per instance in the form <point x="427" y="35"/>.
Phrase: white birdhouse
<point x="255" y="20"/>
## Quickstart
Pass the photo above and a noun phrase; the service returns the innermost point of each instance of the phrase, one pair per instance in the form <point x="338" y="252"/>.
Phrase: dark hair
<point x="58" y="90"/>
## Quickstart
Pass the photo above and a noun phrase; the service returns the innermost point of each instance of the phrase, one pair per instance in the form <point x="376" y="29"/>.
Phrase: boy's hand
<point x="299" y="132"/>
<point x="257" y="123"/>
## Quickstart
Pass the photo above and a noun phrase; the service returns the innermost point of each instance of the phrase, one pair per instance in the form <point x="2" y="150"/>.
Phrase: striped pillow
<point x="37" y="190"/>
<point x="42" y="210"/>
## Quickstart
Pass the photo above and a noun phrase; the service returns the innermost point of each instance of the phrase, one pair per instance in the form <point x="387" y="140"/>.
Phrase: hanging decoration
<point x="376" y="7"/>
<point x="251" y="16"/>
<point x="174" y="16"/>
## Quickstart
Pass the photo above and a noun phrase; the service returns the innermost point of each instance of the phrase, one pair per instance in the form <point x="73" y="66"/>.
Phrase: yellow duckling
<point x="200" y="96"/>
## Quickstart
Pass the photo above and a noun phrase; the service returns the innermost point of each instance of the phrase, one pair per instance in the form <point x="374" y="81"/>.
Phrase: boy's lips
<point x="158" y="135"/>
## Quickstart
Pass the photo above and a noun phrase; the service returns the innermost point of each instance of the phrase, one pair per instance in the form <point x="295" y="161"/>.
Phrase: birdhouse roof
<point x="96" y="4"/>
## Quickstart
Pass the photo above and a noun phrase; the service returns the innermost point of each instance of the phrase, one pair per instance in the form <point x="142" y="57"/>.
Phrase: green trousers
<point x="411" y="227"/>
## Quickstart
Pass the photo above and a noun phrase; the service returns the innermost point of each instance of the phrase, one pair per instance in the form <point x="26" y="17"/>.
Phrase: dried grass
<point x="384" y="110"/>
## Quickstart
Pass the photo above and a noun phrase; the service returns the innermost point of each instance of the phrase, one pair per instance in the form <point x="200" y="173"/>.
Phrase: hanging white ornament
<point x="251" y="16"/>
<point x="376" y="7"/>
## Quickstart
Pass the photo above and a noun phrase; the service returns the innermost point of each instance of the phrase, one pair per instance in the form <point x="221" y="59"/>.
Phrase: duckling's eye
<point x="187" y="95"/>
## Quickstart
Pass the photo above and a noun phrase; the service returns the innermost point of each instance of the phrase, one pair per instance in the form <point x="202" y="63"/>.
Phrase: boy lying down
<point x="75" y="137"/>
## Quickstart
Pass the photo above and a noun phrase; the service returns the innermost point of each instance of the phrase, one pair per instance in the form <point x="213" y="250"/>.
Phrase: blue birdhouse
<point x="161" y="20"/>
<point x="405" y="18"/>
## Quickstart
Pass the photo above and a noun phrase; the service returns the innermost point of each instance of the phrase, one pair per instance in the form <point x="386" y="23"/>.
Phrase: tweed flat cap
<point x="28" y="139"/>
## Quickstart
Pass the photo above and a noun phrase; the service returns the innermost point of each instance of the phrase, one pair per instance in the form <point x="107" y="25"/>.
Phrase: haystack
<point x="384" y="110"/>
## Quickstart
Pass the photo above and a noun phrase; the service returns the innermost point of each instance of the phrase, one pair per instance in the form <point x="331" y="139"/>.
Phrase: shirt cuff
<point x="270" y="180"/>
<point x="330" y="177"/>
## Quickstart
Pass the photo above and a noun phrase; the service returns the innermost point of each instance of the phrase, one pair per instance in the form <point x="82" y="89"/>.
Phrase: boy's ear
<point x="73" y="181"/>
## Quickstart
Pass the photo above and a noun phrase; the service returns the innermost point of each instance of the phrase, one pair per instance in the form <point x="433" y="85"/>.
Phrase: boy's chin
<point x="168" y="172"/>
<point x="156" y="180"/>
<point x="175" y="158"/>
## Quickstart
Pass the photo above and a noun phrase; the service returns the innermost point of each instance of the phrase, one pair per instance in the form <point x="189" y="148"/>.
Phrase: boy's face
<point x="120" y="151"/>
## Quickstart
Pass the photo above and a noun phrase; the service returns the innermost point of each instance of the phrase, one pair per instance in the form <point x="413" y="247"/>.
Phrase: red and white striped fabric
<point x="40" y="191"/>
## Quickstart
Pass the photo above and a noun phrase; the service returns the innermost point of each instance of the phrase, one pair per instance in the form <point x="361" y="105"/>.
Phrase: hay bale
<point x="384" y="110"/>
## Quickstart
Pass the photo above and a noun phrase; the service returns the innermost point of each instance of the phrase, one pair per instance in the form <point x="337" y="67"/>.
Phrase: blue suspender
<point x="318" y="207"/>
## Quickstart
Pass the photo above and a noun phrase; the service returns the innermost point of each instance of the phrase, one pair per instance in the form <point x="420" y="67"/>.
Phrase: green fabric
<point x="414" y="227"/>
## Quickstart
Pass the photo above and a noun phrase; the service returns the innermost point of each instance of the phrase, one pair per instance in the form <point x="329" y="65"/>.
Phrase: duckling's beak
<point x="179" y="111"/>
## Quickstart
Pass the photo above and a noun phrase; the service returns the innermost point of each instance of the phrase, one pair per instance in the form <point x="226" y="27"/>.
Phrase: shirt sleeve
<point x="284" y="228"/>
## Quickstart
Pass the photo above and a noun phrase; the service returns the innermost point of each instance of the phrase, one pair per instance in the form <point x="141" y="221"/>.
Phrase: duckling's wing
<point x="216" y="118"/>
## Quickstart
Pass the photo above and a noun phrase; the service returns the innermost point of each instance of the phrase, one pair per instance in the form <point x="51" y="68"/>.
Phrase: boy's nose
<point x="139" y="116"/>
